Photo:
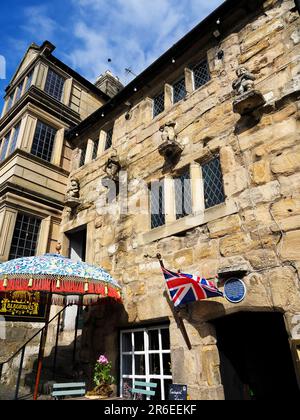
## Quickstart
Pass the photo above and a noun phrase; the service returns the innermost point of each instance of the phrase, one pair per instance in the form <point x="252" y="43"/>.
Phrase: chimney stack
<point x="109" y="84"/>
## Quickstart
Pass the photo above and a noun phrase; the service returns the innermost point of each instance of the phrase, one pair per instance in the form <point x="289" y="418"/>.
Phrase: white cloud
<point x="38" y="23"/>
<point x="133" y="33"/>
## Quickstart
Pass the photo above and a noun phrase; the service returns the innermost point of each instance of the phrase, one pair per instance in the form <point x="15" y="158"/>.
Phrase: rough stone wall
<point x="257" y="229"/>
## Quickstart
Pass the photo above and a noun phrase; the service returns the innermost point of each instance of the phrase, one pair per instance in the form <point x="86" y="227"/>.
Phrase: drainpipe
<point x="297" y="3"/>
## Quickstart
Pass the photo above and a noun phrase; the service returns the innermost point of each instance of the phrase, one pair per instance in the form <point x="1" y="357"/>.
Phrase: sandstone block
<point x="290" y="246"/>
<point x="236" y="244"/>
<point x="287" y="163"/>
<point x="262" y="258"/>
<point x="233" y="264"/>
<point x="255" y="49"/>
<point x="235" y="181"/>
<point x="153" y="307"/>
<point x="261" y="173"/>
<point x="211" y="365"/>
<point x="263" y="194"/>
<point x="286" y="225"/>
<point x="286" y="208"/>
<point x="183" y="259"/>
<point x="206" y="250"/>
<point x="290" y="185"/>
<point x="223" y="227"/>
<point x="282" y="284"/>
<point x="228" y="161"/>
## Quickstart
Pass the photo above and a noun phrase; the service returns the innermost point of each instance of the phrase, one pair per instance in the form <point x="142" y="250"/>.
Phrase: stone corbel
<point x="170" y="148"/>
<point x="72" y="199"/>
<point x="247" y="98"/>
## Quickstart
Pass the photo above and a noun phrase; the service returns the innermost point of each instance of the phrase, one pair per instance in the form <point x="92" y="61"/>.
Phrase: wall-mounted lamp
<point x="217" y="32"/>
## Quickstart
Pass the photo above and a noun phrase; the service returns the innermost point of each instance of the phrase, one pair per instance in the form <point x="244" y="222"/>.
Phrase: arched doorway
<point x="256" y="361"/>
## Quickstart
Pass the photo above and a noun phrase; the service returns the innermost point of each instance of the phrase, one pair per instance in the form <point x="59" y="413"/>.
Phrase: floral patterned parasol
<point x="58" y="275"/>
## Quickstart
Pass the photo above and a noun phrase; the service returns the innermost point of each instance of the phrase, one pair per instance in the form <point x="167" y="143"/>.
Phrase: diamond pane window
<point x="95" y="150"/>
<point x="109" y="139"/>
<point x="158" y="217"/>
<point x="25" y="237"/>
<point x="13" y="143"/>
<point x="201" y="74"/>
<point x="183" y="195"/>
<point x="179" y="91"/>
<point x="54" y="85"/>
<point x="43" y="141"/>
<point x="4" y="148"/>
<point x="213" y="183"/>
<point x="158" y="104"/>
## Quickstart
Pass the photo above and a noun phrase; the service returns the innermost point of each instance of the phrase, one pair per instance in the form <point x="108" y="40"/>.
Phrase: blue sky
<point x="132" y="33"/>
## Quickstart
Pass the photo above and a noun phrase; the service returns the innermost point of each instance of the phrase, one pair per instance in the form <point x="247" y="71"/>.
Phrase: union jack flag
<point x="186" y="288"/>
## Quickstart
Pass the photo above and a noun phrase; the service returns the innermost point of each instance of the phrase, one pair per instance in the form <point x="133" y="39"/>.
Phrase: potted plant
<point x="102" y="378"/>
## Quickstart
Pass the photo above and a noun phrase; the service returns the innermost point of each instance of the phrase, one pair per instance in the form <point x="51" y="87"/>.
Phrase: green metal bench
<point x="141" y="388"/>
<point x="60" y="391"/>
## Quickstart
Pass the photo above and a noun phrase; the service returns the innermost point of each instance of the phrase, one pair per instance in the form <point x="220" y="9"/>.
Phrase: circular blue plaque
<point x="235" y="290"/>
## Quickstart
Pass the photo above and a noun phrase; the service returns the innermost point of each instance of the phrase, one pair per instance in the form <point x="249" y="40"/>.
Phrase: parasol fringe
<point x="92" y="293"/>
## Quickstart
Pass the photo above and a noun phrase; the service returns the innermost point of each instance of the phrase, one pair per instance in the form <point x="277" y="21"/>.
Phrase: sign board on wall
<point x="23" y="306"/>
<point x="235" y="290"/>
<point x="177" y="392"/>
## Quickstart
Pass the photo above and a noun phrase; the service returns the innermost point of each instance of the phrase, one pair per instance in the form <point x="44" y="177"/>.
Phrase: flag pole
<point x="176" y="313"/>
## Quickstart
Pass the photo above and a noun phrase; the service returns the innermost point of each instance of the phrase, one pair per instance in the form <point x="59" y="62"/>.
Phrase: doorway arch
<point x="255" y="357"/>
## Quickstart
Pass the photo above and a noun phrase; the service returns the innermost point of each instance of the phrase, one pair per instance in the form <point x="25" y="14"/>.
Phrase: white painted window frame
<point x="147" y="377"/>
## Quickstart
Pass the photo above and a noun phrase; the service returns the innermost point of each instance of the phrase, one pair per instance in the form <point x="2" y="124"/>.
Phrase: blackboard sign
<point x="177" y="392"/>
<point x="23" y="306"/>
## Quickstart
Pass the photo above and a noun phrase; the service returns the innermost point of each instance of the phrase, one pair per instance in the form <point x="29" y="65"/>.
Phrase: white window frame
<point x="147" y="377"/>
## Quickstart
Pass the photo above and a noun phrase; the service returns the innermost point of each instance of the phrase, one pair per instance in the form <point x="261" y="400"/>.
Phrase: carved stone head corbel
<point x="72" y="196"/>
<point x="113" y="168"/>
<point x="170" y="148"/>
<point x="247" y="98"/>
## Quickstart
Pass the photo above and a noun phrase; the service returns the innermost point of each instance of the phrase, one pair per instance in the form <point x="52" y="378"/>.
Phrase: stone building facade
<point x="44" y="99"/>
<point x="177" y="121"/>
<point x="183" y="164"/>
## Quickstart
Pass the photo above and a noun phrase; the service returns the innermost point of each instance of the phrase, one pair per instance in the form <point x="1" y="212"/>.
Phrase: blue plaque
<point x="235" y="290"/>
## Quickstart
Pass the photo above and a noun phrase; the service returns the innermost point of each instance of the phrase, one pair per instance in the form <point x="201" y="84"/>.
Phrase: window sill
<point x="189" y="222"/>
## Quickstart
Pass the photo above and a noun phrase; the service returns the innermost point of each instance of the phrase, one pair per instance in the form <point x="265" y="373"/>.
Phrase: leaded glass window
<point x="109" y="139"/>
<point x="179" y="90"/>
<point x="95" y="149"/>
<point x="183" y="195"/>
<point x="54" y="85"/>
<point x="10" y="101"/>
<point x="4" y="147"/>
<point x="19" y="91"/>
<point x="29" y="81"/>
<point x="82" y="156"/>
<point x="213" y="183"/>
<point x="158" y="104"/>
<point x="158" y="217"/>
<point x="25" y="237"/>
<point x="13" y="142"/>
<point x="201" y="74"/>
<point x="43" y="141"/>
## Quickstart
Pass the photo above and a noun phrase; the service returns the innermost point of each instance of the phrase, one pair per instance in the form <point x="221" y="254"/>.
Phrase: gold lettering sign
<point x="28" y="306"/>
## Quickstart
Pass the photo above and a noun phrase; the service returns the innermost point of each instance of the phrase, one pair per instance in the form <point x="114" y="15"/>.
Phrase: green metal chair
<point x="141" y="388"/>
<point x="60" y="391"/>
